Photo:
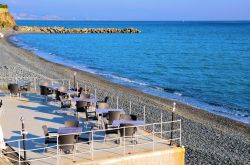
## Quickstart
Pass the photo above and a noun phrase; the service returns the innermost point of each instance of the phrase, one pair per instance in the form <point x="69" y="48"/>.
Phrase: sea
<point x="202" y="64"/>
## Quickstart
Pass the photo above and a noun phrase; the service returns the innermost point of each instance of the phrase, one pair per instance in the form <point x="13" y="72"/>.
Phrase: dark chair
<point x="48" y="137"/>
<point x="66" y="143"/>
<point x="60" y="91"/>
<point x="128" y="131"/>
<point x="81" y="106"/>
<point x="113" y="115"/>
<point x="72" y="123"/>
<point x="1" y="103"/>
<point x="65" y="102"/>
<point x="26" y="87"/>
<point x="14" y="89"/>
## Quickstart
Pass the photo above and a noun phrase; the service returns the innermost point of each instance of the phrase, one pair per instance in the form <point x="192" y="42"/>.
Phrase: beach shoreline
<point x="196" y="122"/>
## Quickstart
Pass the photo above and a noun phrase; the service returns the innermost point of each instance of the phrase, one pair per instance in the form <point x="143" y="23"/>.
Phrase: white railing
<point x="151" y="136"/>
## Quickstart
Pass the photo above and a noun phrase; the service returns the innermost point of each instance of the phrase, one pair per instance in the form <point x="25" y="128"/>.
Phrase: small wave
<point x="122" y="79"/>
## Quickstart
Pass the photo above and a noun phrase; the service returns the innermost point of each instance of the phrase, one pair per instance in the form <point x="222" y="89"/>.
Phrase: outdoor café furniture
<point x="85" y="96"/>
<point x="49" y="138"/>
<point x="44" y="90"/>
<point x="66" y="143"/>
<point x="70" y="93"/>
<point x="102" y="105"/>
<point x="55" y="86"/>
<point x="81" y="106"/>
<point x="128" y="131"/>
<point x="128" y="117"/>
<point x="105" y="100"/>
<point x="112" y="115"/>
<point x="69" y="130"/>
<point x="88" y="100"/>
<point x="72" y="123"/>
<point x="14" y="89"/>
<point x="65" y="102"/>
<point x="132" y="122"/>
<point x="106" y="111"/>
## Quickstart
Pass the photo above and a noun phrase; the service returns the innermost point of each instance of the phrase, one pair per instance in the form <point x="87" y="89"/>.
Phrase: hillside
<point x="6" y="19"/>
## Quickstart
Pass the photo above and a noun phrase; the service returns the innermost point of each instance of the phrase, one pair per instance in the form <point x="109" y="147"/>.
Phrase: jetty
<point x="62" y="30"/>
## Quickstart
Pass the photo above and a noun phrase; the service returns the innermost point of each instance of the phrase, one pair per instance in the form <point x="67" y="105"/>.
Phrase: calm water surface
<point x="204" y="64"/>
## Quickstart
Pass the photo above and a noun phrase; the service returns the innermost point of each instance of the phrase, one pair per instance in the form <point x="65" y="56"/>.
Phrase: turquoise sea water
<point x="204" y="64"/>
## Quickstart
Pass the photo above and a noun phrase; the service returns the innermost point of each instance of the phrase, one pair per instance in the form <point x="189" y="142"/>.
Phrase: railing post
<point x="124" y="142"/>
<point x="92" y="145"/>
<point x="57" y="151"/>
<point x="95" y="93"/>
<point x="19" y="153"/>
<point x="35" y="84"/>
<point x="153" y="137"/>
<point x="70" y="84"/>
<point x="130" y="107"/>
<point x="161" y="123"/>
<point x="144" y="115"/>
<point x="180" y="132"/>
<point x="117" y="102"/>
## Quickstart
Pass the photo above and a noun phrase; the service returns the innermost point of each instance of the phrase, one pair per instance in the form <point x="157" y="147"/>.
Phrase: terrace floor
<point x="37" y="112"/>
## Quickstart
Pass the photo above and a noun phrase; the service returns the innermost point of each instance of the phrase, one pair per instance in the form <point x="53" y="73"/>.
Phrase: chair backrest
<point x="127" y="130"/>
<point x="14" y="88"/>
<point x="125" y="117"/>
<point x="102" y="105"/>
<point x="85" y="96"/>
<point x="45" y="84"/>
<point x="81" y="106"/>
<point x="72" y="123"/>
<point x="113" y="115"/>
<point x="62" y="89"/>
<point x="44" y="90"/>
<point x="45" y="130"/>
<point x="66" y="142"/>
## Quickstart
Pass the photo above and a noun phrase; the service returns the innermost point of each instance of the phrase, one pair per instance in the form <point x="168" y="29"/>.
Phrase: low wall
<point x="171" y="156"/>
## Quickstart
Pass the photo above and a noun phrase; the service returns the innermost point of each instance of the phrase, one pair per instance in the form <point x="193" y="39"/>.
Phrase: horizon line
<point x="133" y="20"/>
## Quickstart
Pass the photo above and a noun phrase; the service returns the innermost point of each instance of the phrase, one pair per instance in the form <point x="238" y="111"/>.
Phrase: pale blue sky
<point x="131" y="9"/>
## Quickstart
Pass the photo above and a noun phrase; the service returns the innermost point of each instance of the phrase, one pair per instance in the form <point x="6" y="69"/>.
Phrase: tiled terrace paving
<point x="37" y="112"/>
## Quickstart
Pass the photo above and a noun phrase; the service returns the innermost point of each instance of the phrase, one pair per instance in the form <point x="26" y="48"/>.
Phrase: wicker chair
<point x="14" y="89"/>
<point x="66" y="143"/>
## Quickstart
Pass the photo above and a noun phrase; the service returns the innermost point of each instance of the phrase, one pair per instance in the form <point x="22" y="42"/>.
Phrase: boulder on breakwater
<point x="62" y="30"/>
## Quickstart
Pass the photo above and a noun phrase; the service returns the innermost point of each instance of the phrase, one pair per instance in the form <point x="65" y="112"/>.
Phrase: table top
<point x="103" y="111"/>
<point x="69" y="92"/>
<point x="133" y="122"/>
<point x="91" y="100"/>
<point x="69" y="130"/>
<point x="55" y="86"/>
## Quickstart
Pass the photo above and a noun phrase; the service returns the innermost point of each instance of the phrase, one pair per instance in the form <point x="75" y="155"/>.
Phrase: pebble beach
<point x="207" y="138"/>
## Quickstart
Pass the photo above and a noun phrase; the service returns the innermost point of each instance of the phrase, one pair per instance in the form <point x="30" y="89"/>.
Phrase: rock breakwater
<point x="62" y="30"/>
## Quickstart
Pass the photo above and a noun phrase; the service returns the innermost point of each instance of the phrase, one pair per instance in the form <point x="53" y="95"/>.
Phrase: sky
<point x="134" y="10"/>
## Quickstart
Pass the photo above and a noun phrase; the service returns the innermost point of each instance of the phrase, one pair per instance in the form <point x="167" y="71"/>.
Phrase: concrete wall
<point x="173" y="156"/>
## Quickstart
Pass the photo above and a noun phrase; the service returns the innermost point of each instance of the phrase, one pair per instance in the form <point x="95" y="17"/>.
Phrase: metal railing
<point x="96" y="138"/>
